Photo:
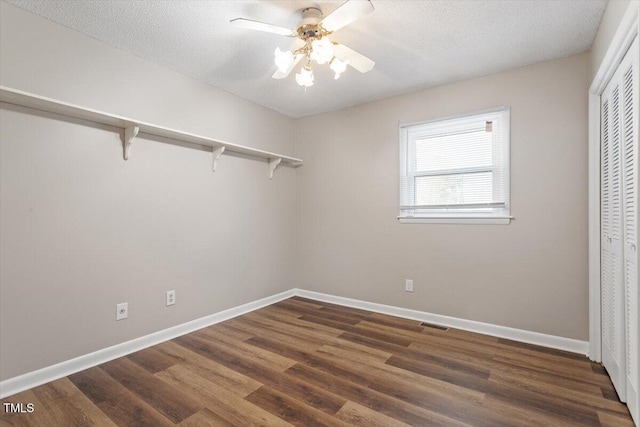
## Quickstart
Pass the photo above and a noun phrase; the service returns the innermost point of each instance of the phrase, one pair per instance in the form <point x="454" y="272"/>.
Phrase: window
<point x="456" y="170"/>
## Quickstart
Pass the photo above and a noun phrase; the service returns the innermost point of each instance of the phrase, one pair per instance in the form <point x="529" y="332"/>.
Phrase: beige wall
<point x="82" y="230"/>
<point x="531" y="274"/>
<point x="610" y="20"/>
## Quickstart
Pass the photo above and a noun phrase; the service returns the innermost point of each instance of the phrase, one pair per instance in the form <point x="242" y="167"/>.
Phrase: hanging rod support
<point x="130" y="133"/>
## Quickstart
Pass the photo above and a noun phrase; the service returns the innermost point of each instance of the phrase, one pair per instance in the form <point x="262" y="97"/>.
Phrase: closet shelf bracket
<point x="130" y="132"/>
<point x="216" y="155"/>
<point x="273" y="164"/>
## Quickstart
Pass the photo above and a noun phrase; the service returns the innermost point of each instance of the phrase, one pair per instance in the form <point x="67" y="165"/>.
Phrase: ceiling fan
<point x="312" y="42"/>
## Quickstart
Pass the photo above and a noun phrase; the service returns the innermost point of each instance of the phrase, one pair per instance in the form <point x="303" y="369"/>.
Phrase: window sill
<point x="501" y="220"/>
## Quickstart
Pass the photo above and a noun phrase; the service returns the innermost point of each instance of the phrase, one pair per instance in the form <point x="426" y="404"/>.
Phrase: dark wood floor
<point x="307" y="363"/>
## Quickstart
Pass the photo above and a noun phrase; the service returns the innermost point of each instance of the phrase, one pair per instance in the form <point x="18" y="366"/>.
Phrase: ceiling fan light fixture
<point x="305" y="77"/>
<point x="283" y="59"/>
<point x="338" y="66"/>
<point x="311" y="42"/>
<point x="321" y="50"/>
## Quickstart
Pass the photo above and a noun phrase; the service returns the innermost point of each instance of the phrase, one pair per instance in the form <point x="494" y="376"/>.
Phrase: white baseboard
<point x="536" y="338"/>
<point x="32" y="379"/>
<point x="29" y="380"/>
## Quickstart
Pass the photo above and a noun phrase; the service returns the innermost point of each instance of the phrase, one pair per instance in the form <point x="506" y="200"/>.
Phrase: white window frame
<point x="498" y="213"/>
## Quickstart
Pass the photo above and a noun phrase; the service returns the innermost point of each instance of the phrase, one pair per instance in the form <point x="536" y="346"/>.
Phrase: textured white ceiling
<point x="415" y="44"/>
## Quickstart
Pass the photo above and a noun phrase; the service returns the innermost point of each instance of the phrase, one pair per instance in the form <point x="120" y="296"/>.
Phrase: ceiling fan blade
<point x="280" y="75"/>
<point x="355" y="59"/>
<point x="262" y="26"/>
<point x="346" y="14"/>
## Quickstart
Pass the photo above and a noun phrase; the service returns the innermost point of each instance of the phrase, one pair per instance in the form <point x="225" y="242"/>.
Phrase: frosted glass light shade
<point x="338" y="66"/>
<point x="321" y="50"/>
<point x="305" y="77"/>
<point x="283" y="60"/>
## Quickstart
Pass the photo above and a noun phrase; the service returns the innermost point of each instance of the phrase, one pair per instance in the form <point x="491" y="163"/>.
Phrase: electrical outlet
<point x="408" y="285"/>
<point x="122" y="310"/>
<point x="171" y="297"/>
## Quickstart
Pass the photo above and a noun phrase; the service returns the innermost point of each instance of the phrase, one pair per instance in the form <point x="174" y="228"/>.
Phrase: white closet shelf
<point x="132" y="127"/>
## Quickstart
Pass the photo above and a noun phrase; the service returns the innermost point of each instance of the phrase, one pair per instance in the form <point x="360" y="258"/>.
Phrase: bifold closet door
<point x="629" y="126"/>
<point x="619" y="229"/>
<point x="612" y="287"/>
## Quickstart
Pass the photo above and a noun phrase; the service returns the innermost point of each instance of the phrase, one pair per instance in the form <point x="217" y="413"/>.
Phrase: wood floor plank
<point x="609" y="393"/>
<point x="598" y="369"/>
<point x="362" y="416"/>
<point x="38" y="418"/>
<point x="153" y="360"/>
<point x="372" y="399"/>
<point x="265" y="374"/>
<point x="346" y="313"/>
<point x="296" y="332"/>
<point x="533" y="363"/>
<point x="302" y="362"/>
<point x="224" y="328"/>
<point x="535" y="374"/>
<point x="396" y="322"/>
<point x="317" y="339"/>
<point x="611" y="420"/>
<point x="257" y="328"/>
<point x="577" y="413"/>
<point x="471" y="336"/>
<point x="446" y="399"/>
<point x="205" y="418"/>
<point x="292" y="410"/>
<point x="457" y="361"/>
<point x="115" y="400"/>
<point x="454" y="345"/>
<point x="351" y="310"/>
<point x="297" y="303"/>
<point x="347" y="327"/>
<point x="165" y="399"/>
<point x="578" y="368"/>
<point x="285" y="311"/>
<point x="359" y="352"/>
<point x="211" y="370"/>
<point x="64" y="403"/>
<point x="234" y="409"/>
<point x="254" y="358"/>
<point x="577" y="397"/>
<point x="569" y="379"/>
<point x="465" y="341"/>
<point x="526" y="415"/>
<point x="540" y="349"/>
<point x="306" y="392"/>
<point x="431" y="370"/>
<point x="310" y="329"/>
<point x="228" y="335"/>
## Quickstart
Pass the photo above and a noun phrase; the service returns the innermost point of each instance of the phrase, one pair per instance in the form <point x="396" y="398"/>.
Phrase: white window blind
<point x="456" y="167"/>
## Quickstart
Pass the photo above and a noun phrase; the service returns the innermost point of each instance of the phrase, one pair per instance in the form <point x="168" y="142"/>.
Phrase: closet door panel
<point x="629" y="128"/>
<point x="613" y="298"/>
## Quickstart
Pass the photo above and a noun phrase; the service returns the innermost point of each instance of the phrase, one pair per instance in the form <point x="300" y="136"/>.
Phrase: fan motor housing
<point x="309" y="26"/>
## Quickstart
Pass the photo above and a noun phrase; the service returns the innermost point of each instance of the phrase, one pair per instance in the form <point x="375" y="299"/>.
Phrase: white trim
<point x="442" y="119"/>
<point x="595" y="334"/>
<point x="551" y="341"/>
<point x="622" y="40"/>
<point x="50" y="373"/>
<point x="486" y="221"/>
<point x="626" y="32"/>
